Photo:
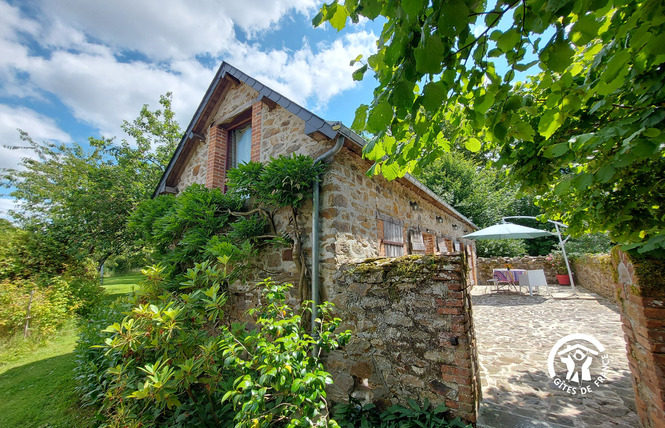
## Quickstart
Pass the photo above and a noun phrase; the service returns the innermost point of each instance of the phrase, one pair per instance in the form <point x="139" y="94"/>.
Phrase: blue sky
<point x="78" y="68"/>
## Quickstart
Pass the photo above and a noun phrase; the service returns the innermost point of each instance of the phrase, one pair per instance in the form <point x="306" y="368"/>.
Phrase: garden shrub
<point x="173" y="362"/>
<point x="356" y="415"/>
<point x="178" y="228"/>
<point x="50" y="306"/>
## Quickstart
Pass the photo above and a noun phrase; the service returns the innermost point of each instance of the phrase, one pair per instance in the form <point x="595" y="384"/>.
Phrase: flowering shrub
<point x="173" y="362"/>
<point x="556" y="263"/>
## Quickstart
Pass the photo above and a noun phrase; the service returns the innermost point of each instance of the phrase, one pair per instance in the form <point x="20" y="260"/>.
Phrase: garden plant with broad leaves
<point x="585" y="133"/>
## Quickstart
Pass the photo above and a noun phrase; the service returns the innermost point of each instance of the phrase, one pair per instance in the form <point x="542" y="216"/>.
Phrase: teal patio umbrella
<point x="508" y="231"/>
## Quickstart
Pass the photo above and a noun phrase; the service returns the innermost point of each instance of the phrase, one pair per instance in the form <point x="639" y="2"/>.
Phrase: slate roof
<point x="313" y="124"/>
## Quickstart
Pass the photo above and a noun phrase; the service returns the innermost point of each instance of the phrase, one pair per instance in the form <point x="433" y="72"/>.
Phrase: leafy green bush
<point x="355" y="415"/>
<point x="175" y="363"/>
<point x="178" y="228"/>
<point x="501" y="248"/>
<point x="284" y="181"/>
<point x="93" y="362"/>
<point x="50" y="306"/>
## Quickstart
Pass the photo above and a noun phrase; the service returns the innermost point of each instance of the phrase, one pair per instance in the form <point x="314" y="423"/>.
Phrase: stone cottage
<point x="413" y="336"/>
<point x="240" y="119"/>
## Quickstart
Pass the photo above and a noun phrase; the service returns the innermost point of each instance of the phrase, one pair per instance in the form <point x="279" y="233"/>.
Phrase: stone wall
<point x="354" y="206"/>
<point x="194" y="170"/>
<point x="284" y="133"/>
<point x="238" y="99"/>
<point x="594" y="272"/>
<point x="486" y="264"/>
<point x="640" y="284"/>
<point x="412" y="330"/>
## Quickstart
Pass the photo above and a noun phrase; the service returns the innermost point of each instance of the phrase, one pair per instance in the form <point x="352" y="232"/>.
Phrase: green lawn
<point x="36" y="377"/>
<point x="118" y="285"/>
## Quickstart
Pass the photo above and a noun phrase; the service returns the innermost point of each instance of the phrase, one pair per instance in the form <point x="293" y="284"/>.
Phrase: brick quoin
<point x="257" y="117"/>
<point x="216" y="164"/>
<point x="642" y="315"/>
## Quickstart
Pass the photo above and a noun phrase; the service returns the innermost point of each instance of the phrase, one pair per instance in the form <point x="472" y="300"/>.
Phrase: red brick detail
<point x="430" y="243"/>
<point x="642" y="316"/>
<point x="217" y="150"/>
<point x="257" y="117"/>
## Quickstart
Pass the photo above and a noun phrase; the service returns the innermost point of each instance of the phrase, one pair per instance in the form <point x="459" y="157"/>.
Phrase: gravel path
<point x="515" y="333"/>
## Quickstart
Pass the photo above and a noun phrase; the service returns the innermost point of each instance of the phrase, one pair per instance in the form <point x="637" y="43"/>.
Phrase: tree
<point x="586" y="134"/>
<point x="83" y="196"/>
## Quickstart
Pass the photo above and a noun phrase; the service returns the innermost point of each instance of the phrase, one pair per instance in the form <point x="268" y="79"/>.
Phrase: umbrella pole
<point x="562" y="244"/>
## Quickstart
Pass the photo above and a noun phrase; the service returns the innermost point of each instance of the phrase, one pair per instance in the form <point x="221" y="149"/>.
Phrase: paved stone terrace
<point x="515" y="333"/>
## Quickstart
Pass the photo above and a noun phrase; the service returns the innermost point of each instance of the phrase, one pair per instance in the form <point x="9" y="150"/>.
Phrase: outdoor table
<point x="534" y="279"/>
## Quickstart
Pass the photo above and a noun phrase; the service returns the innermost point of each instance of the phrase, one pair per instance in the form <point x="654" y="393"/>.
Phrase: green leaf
<point x="500" y="131"/>
<point x="354" y="61"/>
<point x="513" y="103"/>
<point x="556" y="150"/>
<point x="454" y="14"/>
<point x="360" y="118"/>
<point x="605" y="174"/>
<point x="616" y="66"/>
<point x="582" y="181"/>
<point x="371" y="8"/>
<point x="651" y="132"/>
<point x="472" y="145"/>
<point x="549" y="123"/>
<point x="429" y="56"/>
<point x="413" y="7"/>
<point x="558" y="56"/>
<point x="524" y="131"/>
<point x="433" y="96"/>
<point x="584" y="30"/>
<point x="338" y="20"/>
<point x="379" y="118"/>
<point x="508" y="40"/>
<point x="359" y="73"/>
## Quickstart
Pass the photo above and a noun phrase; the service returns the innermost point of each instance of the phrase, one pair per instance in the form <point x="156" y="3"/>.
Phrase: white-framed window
<point x="393" y="239"/>
<point x="240" y="145"/>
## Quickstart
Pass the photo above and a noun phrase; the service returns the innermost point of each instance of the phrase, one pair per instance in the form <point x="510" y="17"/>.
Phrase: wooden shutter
<point x="393" y="239"/>
<point x="417" y="243"/>
<point x="441" y="244"/>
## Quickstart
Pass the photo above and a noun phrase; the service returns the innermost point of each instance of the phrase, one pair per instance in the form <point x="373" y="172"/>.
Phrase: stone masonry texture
<point x="486" y="264"/>
<point x="594" y="272"/>
<point x="413" y="334"/>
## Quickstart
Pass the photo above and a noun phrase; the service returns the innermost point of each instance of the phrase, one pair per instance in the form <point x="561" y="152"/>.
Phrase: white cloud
<point x="7" y="204"/>
<point x="306" y="74"/>
<point x="86" y="40"/>
<point x="37" y="125"/>
<point x="165" y="29"/>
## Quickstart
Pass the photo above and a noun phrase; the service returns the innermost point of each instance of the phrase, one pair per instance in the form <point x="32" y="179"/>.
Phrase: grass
<point x="36" y="376"/>
<point x="120" y="285"/>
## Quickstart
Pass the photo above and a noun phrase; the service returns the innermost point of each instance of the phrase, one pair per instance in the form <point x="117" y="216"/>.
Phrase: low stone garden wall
<point x="594" y="272"/>
<point x="413" y="334"/>
<point x="486" y="264"/>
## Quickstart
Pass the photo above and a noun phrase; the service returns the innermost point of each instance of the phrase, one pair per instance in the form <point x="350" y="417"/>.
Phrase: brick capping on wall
<point x="413" y="333"/>
<point x="216" y="163"/>
<point x="642" y="304"/>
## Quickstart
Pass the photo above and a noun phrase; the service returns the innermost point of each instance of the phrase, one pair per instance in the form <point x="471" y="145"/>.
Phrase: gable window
<point x="240" y="145"/>
<point x="393" y="239"/>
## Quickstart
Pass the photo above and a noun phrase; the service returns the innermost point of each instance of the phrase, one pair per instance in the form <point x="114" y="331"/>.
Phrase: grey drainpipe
<point x="316" y="206"/>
